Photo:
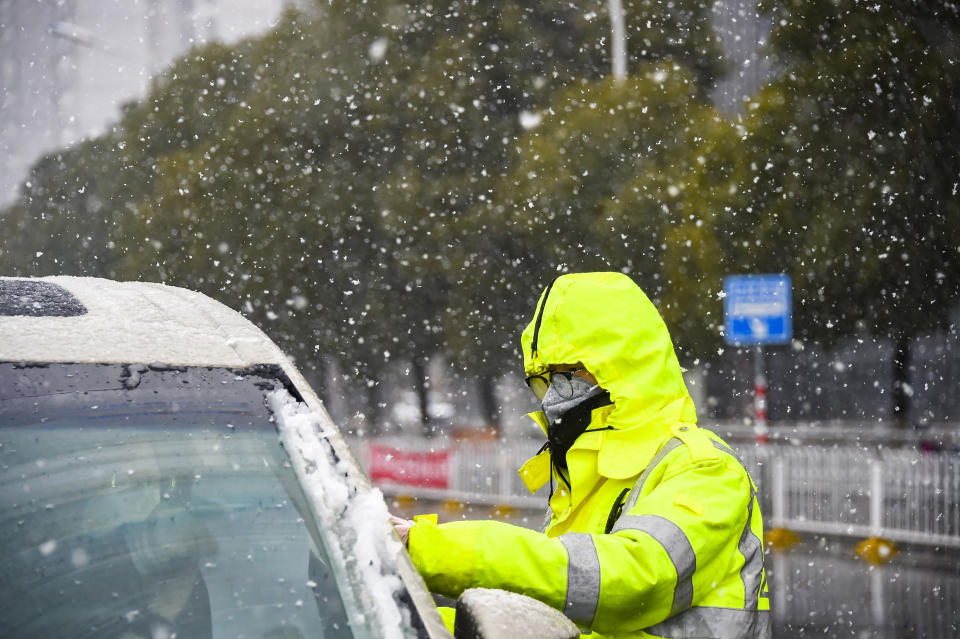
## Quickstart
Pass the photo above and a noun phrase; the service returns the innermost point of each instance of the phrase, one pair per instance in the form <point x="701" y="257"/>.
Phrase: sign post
<point x="757" y="310"/>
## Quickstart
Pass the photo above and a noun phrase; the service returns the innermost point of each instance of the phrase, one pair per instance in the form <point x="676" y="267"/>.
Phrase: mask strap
<point x="597" y="430"/>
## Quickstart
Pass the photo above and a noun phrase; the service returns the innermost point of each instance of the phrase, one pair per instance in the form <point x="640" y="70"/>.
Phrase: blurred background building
<point x="66" y="66"/>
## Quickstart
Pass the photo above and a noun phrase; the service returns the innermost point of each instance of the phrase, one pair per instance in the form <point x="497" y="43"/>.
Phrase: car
<point x="167" y="472"/>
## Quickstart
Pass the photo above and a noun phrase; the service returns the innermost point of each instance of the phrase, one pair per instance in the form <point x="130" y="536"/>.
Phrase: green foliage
<point x="391" y="179"/>
<point x="388" y="180"/>
<point x="854" y="168"/>
<point x="610" y="179"/>
<point x="66" y="218"/>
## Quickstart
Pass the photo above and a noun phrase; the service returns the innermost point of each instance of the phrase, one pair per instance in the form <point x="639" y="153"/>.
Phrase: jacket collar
<point x="620" y="453"/>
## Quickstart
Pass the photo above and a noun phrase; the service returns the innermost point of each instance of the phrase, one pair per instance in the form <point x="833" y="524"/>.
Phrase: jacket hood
<point x="605" y="322"/>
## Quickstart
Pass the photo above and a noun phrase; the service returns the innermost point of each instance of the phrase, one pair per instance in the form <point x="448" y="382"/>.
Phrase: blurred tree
<point x="271" y="206"/>
<point x="317" y="177"/>
<point x="853" y="185"/>
<point x="64" y="219"/>
<point x="619" y="176"/>
<point x="451" y="92"/>
<point x="679" y="31"/>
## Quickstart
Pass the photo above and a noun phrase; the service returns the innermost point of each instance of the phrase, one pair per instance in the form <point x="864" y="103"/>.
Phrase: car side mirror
<point x="485" y="613"/>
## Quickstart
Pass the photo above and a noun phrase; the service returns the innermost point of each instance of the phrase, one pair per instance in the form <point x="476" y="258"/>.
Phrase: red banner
<point x="429" y="469"/>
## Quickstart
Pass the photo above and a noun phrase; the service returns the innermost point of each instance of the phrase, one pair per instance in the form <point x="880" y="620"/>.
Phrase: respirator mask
<point x="568" y="403"/>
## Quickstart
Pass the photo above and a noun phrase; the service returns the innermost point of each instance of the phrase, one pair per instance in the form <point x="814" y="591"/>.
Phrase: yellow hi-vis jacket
<point x="659" y="534"/>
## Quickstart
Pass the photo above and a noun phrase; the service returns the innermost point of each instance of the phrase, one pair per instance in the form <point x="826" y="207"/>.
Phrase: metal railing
<point x="901" y="495"/>
<point x="481" y="472"/>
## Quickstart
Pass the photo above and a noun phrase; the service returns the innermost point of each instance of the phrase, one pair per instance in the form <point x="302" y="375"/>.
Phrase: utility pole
<point x="618" y="40"/>
<point x="760" y="430"/>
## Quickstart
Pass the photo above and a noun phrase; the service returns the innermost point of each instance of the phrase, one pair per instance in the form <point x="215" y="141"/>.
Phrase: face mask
<point x="568" y="417"/>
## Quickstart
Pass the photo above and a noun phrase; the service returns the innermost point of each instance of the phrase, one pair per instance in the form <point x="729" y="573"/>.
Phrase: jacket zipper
<point x="536" y="327"/>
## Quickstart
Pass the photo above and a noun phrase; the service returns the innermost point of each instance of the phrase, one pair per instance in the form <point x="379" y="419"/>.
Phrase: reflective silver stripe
<point x="583" y="578"/>
<point x="752" y="551"/>
<point x="725" y="449"/>
<point x="730" y="451"/>
<point x="665" y="450"/>
<point x="678" y="547"/>
<point x="716" y="623"/>
<point x="749" y="546"/>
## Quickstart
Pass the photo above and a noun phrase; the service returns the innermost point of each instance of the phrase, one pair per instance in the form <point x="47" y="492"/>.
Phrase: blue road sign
<point x="757" y="309"/>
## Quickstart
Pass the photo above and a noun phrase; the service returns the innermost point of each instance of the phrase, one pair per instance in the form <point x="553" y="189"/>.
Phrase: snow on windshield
<point x="370" y="550"/>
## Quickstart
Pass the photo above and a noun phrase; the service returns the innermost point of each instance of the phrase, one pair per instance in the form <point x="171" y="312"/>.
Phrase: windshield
<point x="154" y="502"/>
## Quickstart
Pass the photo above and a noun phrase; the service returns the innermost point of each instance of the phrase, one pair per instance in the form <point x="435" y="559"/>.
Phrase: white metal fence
<point x="482" y="472"/>
<point x="902" y="495"/>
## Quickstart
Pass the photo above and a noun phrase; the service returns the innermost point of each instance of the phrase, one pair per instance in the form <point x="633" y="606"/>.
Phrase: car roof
<point x="92" y="320"/>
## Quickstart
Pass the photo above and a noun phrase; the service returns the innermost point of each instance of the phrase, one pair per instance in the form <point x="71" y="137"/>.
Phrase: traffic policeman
<point x="654" y="527"/>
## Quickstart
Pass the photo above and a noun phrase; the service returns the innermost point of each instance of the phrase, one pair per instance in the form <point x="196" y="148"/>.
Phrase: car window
<point x="154" y="502"/>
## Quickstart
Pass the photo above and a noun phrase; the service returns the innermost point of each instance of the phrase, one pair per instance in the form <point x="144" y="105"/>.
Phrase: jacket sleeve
<point x="625" y="581"/>
<point x="459" y="555"/>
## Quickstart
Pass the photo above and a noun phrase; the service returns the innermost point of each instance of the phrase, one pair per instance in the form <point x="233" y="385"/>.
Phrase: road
<point x="821" y="589"/>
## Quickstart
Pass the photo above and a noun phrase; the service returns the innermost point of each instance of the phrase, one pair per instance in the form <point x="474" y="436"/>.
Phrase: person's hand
<point x="402" y="526"/>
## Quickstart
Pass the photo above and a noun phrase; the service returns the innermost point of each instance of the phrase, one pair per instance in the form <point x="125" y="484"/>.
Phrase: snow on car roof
<point x="100" y="320"/>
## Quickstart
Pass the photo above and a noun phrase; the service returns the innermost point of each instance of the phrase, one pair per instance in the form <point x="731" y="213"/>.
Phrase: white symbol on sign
<point x="758" y="328"/>
<point x="759" y="308"/>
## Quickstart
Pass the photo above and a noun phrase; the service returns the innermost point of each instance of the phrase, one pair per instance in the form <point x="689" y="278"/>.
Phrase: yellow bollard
<point x="503" y="511"/>
<point x="781" y="539"/>
<point x="876" y="550"/>
<point x="453" y="507"/>
<point x="403" y="505"/>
